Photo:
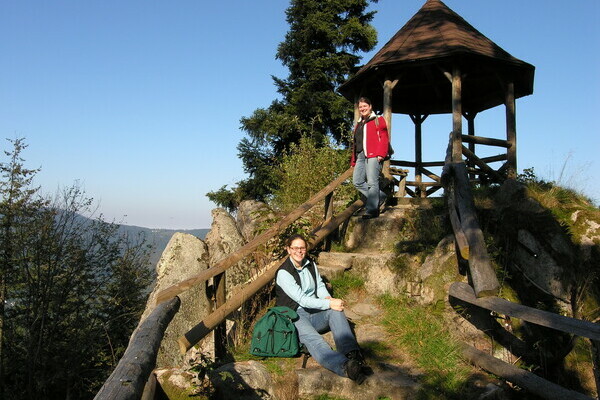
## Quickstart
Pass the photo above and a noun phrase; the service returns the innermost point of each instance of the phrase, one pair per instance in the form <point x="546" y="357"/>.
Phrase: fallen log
<point x="128" y="379"/>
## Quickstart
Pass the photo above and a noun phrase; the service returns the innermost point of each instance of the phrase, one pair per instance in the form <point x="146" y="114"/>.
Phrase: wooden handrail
<point x="234" y="258"/>
<point x="464" y="292"/>
<point x="485" y="140"/>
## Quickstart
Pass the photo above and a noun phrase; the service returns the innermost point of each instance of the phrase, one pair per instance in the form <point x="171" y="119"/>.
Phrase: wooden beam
<point x="526" y="380"/>
<point x="483" y="275"/>
<point x="485" y="141"/>
<point x="388" y="87"/>
<point x="412" y="164"/>
<point x="459" y="235"/>
<point x="199" y="331"/>
<point x="511" y="130"/>
<point x="561" y="323"/>
<point x="489" y="170"/>
<point x="431" y="175"/>
<point x="128" y="379"/>
<point x="432" y="190"/>
<point x="234" y="258"/>
<point x="423" y="184"/>
<point x="410" y="192"/>
<point x="499" y="157"/>
<point x="456" y="114"/>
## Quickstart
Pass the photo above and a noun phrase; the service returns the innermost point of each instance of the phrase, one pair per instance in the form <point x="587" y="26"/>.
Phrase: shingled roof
<point x="436" y="37"/>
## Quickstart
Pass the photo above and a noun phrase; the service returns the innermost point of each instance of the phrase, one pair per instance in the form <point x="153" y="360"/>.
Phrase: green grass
<point x="421" y="332"/>
<point x="346" y="283"/>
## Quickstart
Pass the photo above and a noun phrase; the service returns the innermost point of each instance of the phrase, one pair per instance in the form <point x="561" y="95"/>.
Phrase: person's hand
<point x="336" y="304"/>
<point x="379" y="158"/>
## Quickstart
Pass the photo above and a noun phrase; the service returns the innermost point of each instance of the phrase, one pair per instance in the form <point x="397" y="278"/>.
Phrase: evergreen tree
<point x="17" y="208"/>
<point x="319" y="51"/>
<point x="73" y="289"/>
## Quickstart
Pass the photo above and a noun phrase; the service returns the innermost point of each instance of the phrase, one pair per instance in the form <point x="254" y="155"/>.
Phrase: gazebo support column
<point x="388" y="87"/>
<point x="418" y="121"/>
<point x="456" y="134"/>
<point x="511" y="131"/>
<point x="456" y="115"/>
<point x="470" y="117"/>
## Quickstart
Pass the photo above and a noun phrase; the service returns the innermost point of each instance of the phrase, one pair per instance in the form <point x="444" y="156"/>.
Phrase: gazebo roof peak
<point x="436" y="38"/>
<point x="436" y="31"/>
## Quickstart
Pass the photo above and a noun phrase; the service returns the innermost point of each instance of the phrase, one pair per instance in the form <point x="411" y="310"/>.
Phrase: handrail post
<point x="327" y="215"/>
<point x="220" y="332"/>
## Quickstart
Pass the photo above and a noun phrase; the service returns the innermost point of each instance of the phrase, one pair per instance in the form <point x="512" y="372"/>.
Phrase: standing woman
<point x="370" y="148"/>
<point x="300" y="287"/>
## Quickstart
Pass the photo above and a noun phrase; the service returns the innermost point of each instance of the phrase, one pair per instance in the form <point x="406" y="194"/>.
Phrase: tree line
<point x="71" y="288"/>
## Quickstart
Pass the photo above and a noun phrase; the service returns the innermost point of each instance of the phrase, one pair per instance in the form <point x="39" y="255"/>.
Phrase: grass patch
<point x="420" y="331"/>
<point x="345" y="284"/>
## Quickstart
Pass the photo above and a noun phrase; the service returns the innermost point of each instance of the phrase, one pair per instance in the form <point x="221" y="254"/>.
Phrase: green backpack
<point x="275" y="335"/>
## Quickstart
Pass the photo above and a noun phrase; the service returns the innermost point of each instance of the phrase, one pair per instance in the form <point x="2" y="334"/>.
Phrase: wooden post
<point x="470" y="116"/>
<point x="511" y="131"/>
<point x="327" y="216"/>
<point x="388" y="87"/>
<point x="456" y="115"/>
<point x="418" y="121"/>
<point x="220" y="332"/>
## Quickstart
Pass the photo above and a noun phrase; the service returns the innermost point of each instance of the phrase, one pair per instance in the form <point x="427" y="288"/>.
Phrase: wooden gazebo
<point x="439" y="64"/>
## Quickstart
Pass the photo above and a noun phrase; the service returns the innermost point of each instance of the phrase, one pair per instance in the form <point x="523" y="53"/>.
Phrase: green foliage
<point x="75" y="290"/>
<point x="319" y="52"/>
<point x="306" y="169"/>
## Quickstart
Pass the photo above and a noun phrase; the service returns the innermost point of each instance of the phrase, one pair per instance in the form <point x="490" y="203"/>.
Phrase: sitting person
<point x="300" y="287"/>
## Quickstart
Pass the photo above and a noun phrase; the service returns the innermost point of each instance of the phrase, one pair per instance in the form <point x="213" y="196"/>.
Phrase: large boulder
<point x="247" y="380"/>
<point x="184" y="257"/>
<point x="224" y="239"/>
<point x="252" y="217"/>
<point x="541" y="250"/>
<point x="377" y="234"/>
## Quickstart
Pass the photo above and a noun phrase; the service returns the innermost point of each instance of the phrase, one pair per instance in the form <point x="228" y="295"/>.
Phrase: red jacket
<point x="375" y="140"/>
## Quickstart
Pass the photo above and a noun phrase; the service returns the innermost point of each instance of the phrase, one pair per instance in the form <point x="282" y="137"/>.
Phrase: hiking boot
<point x="353" y="370"/>
<point x="356" y="355"/>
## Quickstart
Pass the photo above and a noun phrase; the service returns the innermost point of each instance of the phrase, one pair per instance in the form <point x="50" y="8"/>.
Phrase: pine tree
<point x="319" y="51"/>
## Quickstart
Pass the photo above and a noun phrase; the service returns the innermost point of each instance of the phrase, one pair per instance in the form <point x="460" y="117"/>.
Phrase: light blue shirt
<point x="308" y="294"/>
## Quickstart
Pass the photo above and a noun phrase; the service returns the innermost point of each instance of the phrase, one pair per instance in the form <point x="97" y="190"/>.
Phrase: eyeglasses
<point x="298" y="248"/>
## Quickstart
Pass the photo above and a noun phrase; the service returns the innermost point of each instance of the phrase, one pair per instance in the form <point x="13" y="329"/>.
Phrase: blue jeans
<point x="310" y="325"/>
<point x="366" y="180"/>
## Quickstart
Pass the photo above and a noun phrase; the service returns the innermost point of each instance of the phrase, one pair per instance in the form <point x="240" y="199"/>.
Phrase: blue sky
<point x="140" y="101"/>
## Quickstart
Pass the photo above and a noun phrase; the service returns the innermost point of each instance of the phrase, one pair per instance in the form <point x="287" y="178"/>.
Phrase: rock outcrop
<point x="184" y="257"/>
<point x="223" y="239"/>
<point x="251" y="218"/>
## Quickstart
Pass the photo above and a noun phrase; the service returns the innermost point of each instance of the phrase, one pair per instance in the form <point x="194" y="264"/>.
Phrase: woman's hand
<point x="379" y="158"/>
<point x="336" y="304"/>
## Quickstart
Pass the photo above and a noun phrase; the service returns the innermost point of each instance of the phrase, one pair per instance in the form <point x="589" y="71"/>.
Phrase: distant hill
<point x="159" y="238"/>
